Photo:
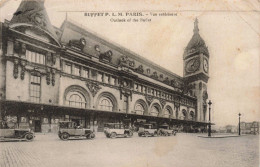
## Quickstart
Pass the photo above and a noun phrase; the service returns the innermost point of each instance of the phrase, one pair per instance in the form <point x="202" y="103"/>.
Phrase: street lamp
<point x="209" y="131"/>
<point x="239" y="124"/>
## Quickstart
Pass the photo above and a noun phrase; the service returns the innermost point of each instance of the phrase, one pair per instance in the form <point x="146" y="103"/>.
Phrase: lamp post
<point x="239" y="124"/>
<point x="209" y="130"/>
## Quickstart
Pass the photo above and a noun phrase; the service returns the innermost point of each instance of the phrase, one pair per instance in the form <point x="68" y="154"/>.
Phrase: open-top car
<point x="69" y="129"/>
<point x="113" y="130"/>
<point x="147" y="130"/>
<point x="7" y="134"/>
<point x="164" y="130"/>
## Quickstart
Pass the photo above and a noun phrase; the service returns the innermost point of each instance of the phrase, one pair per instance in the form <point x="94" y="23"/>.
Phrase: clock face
<point x="205" y="65"/>
<point x="192" y="65"/>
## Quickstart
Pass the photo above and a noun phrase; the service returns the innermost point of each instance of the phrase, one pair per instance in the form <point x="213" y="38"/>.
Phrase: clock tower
<point x="196" y="71"/>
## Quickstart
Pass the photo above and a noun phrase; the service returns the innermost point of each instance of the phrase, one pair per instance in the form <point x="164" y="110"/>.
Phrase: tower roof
<point x="33" y="13"/>
<point x="196" y="44"/>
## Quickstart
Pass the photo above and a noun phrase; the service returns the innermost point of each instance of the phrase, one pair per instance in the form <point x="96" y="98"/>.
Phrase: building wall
<point x="17" y="89"/>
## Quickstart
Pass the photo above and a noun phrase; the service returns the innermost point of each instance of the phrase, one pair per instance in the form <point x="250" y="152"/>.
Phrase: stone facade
<point x="68" y="73"/>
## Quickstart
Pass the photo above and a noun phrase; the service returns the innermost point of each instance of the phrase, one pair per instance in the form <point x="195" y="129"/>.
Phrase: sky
<point x="230" y="28"/>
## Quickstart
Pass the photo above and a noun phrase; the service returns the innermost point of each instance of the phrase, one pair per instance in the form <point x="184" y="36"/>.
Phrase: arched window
<point x="155" y="111"/>
<point x="184" y="113"/>
<point x="192" y="115"/>
<point x="139" y="109"/>
<point x="167" y="113"/>
<point x="76" y="99"/>
<point x="105" y="104"/>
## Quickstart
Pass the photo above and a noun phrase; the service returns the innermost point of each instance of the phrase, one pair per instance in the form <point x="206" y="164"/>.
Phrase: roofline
<point x="118" y="47"/>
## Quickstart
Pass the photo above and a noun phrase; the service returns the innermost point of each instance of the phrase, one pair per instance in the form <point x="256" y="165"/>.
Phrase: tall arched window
<point x="139" y="109"/>
<point x="167" y="113"/>
<point x="184" y="113"/>
<point x="192" y="115"/>
<point x="105" y="104"/>
<point x="76" y="99"/>
<point x="155" y="111"/>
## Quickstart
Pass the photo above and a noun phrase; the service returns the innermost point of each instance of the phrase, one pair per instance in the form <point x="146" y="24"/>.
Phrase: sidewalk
<point x="221" y="136"/>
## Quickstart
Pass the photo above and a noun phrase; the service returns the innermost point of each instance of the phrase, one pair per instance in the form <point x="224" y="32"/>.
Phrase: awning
<point x="21" y="107"/>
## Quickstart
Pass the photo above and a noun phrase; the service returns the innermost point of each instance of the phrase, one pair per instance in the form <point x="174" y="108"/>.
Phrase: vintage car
<point x="69" y="129"/>
<point x="7" y="134"/>
<point x="147" y="130"/>
<point x="113" y="130"/>
<point x="165" y="131"/>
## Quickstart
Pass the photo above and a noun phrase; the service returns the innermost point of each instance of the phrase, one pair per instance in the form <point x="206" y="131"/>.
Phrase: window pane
<point x="35" y="88"/>
<point x="43" y="59"/>
<point x="106" y="104"/>
<point x="155" y="111"/>
<point x="139" y="109"/>
<point x="76" y="100"/>
<point x="35" y="57"/>
<point x="77" y="70"/>
<point x="68" y="68"/>
<point x="99" y="77"/>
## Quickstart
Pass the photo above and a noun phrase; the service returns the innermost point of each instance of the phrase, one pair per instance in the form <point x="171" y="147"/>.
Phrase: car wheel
<point x="130" y="134"/>
<point x="113" y="135"/>
<point x="146" y="134"/>
<point x="88" y="136"/>
<point x="139" y="134"/>
<point x="92" y="135"/>
<point x="29" y="137"/>
<point x="65" y="136"/>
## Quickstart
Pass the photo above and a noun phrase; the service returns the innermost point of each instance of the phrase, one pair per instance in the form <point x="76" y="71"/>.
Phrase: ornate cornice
<point x="106" y="56"/>
<point x="124" y="61"/>
<point x="163" y="102"/>
<point x="93" y="87"/>
<point x="149" y="99"/>
<point x="200" y="76"/>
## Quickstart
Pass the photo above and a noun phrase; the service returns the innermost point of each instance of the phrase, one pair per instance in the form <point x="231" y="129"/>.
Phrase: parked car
<point x="7" y="133"/>
<point x="147" y="130"/>
<point x="113" y="130"/>
<point x="69" y="129"/>
<point x="164" y="130"/>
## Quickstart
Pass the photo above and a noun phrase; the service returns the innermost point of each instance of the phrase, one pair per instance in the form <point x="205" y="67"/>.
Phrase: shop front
<point x="45" y="118"/>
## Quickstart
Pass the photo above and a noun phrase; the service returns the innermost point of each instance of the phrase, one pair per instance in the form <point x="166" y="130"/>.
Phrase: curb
<point x="219" y="136"/>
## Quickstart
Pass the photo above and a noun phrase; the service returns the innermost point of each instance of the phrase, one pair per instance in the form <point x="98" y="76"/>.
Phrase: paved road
<point x="183" y="150"/>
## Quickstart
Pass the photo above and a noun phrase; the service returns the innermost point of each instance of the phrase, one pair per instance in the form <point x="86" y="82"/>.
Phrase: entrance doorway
<point x="38" y="125"/>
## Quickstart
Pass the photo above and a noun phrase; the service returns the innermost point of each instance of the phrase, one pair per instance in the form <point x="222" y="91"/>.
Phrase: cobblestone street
<point x="183" y="150"/>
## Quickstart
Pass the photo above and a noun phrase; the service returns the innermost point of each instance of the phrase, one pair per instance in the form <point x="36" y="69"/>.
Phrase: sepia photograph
<point x="119" y="83"/>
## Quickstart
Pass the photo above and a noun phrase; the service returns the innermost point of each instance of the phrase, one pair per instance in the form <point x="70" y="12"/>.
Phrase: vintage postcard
<point x="120" y="83"/>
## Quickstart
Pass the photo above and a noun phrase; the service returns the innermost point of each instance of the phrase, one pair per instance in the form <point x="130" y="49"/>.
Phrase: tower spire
<point x="196" y="28"/>
<point x="34" y="13"/>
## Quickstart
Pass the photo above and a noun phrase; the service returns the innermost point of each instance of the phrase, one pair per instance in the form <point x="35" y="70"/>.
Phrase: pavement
<point x="183" y="150"/>
<point x="225" y="135"/>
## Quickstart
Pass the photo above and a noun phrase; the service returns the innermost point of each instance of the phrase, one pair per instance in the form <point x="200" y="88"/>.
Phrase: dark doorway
<point x="37" y="126"/>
